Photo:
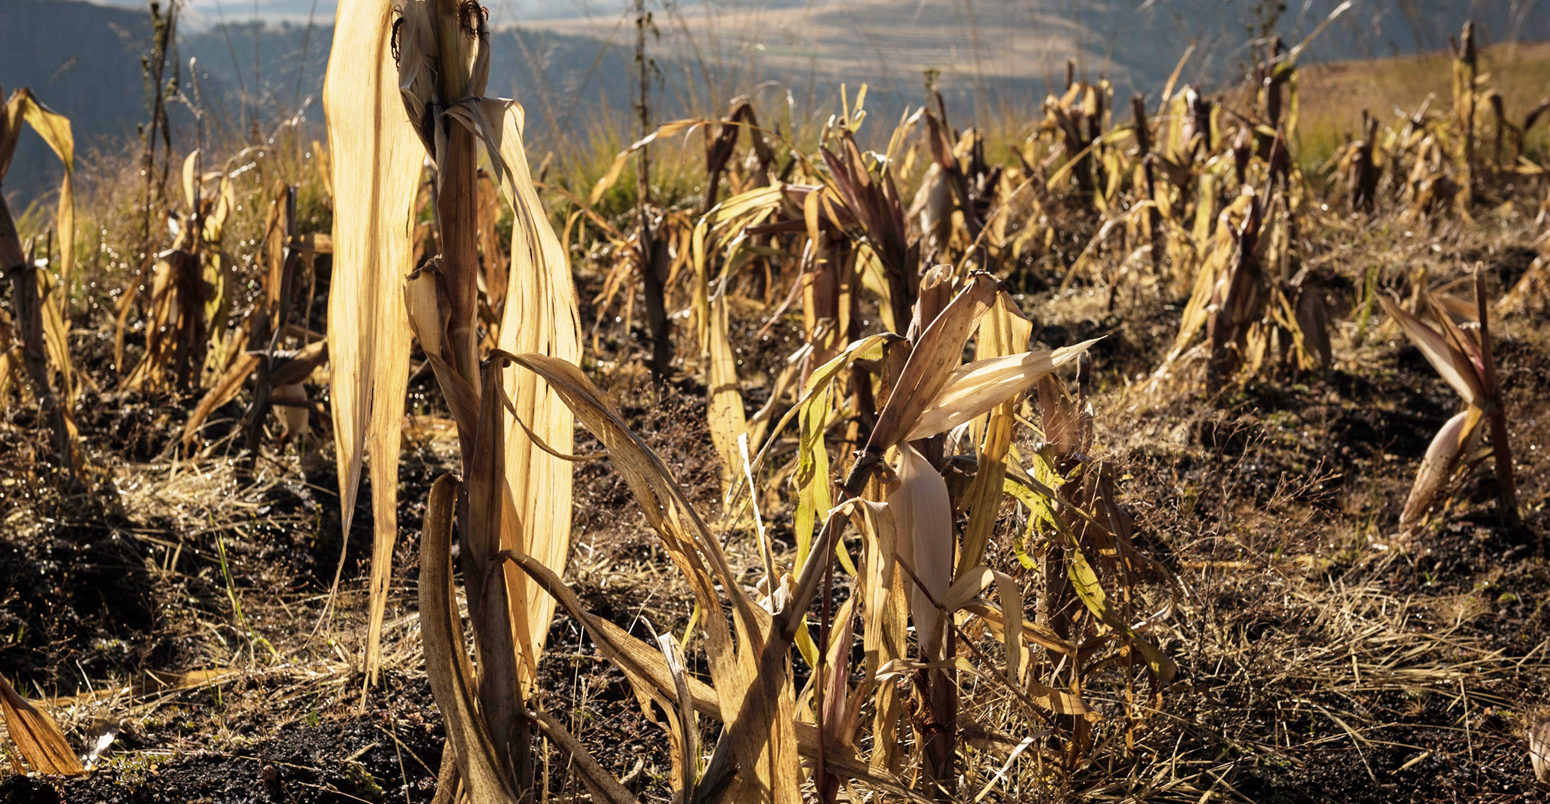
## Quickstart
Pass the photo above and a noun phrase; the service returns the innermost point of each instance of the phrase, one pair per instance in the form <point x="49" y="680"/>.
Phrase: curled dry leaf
<point x="975" y="388"/>
<point x="937" y="351"/>
<point x="447" y="666"/>
<point x="539" y="318"/>
<point x="1451" y="362"/>
<point x="752" y="684"/>
<point x="38" y="739"/>
<point x="1456" y="439"/>
<point x="923" y="518"/>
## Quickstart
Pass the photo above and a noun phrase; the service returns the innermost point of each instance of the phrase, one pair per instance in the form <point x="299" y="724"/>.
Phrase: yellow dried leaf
<point x="539" y="318"/>
<point x="55" y="130"/>
<point x="447" y="667"/>
<point x="974" y="388"/>
<point x="375" y="161"/>
<point x="923" y="518"/>
<point x="753" y="686"/>
<point x="1450" y="362"/>
<point x="1452" y="442"/>
<point x="938" y="349"/>
<point x="39" y="740"/>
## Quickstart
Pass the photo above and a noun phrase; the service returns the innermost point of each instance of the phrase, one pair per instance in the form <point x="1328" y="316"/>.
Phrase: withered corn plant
<point x="1531" y="293"/>
<point x="34" y="334"/>
<point x="1462" y="355"/>
<point x="1441" y="162"/>
<point x="279" y="353"/>
<point x="189" y="288"/>
<point x="1254" y="305"/>
<point x="405" y="81"/>
<point x="890" y="724"/>
<point x="652" y="250"/>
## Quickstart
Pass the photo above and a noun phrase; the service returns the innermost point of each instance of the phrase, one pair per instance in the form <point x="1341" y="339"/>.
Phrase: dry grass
<point x="1335" y="95"/>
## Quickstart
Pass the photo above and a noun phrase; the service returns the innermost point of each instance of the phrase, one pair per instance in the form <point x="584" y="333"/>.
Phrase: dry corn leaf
<point x="969" y="585"/>
<point x="728" y="420"/>
<point x="55" y="130"/>
<point x="1002" y="331"/>
<point x="539" y="317"/>
<point x="974" y="388"/>
<point x="39" y="740"/>
<point x="1452" y="363"/>
<point x="753" y="685"/>
<point x="1539" y="748"/>
<point x="446" y="663"/>
<point x="1455" y="440"/>
<point x="834" y="704"/>
<point x="375" y="161"/>
<point x="885" y="630"/>
<point x="224" y="390"/>
<point x="1033" y="633"/>
<point x="685" y="725"/>
<point x="936" y="352"/>
<point x="611" y="176"/>
<point x="923" y="517"/>
<point x="648" y="671"/>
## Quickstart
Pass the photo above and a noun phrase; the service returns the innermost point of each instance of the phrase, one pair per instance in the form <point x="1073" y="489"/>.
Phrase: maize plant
<point x="1254" y="304"/>
<point x="23" y="108"/>
<point x="1359" y="166"/>
<point x="189" y="290"/>
<point x="1531" y="293"/>
<point x="663" y="256"/>
<point x="1463" y="357"/>
<point x="914" y="570"/>
<point x="278" y="353"/>
<point x="405" y="81"/>
<point x="1466" y="94"/>
<point x="1445" y="160"/>
<point x="34" y="336"/>
<point x="856" y="241"/>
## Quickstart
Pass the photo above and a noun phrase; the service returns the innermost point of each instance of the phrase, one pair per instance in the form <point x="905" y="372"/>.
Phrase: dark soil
<point x="1322" y="656"/>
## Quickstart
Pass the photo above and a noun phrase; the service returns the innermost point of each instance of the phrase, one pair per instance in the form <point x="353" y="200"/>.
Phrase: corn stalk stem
<point x="29" y="324"/>
<point x="270" y="329"/>
<point x="1506" y="485"/>
<point x="457" y="217"/>
<point x="652" y="253"/>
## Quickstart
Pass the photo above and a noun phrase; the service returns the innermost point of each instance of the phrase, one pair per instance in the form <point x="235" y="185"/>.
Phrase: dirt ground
<point x="182" y="609"/>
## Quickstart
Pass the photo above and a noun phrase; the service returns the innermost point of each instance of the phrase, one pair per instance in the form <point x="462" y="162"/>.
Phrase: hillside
<point x="1336" y="93"/>
<point x="994" y="58"/>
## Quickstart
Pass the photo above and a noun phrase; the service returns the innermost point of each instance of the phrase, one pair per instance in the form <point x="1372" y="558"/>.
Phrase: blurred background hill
<point x="570" y="62"/>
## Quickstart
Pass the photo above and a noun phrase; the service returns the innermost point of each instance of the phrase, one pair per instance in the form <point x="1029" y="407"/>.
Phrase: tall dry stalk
<point x="418" y="92"/>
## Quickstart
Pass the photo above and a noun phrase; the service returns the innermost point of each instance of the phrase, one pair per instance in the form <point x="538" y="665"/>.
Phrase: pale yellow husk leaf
<point x="975" y="388"/>
<point x="375" y="161"/>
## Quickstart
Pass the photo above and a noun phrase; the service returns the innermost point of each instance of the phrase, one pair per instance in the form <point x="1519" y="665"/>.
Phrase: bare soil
<point x="180" y="605"/>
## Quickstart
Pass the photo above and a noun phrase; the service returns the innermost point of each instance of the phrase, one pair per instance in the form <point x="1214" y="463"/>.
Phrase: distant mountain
<point x="573" y="70"/>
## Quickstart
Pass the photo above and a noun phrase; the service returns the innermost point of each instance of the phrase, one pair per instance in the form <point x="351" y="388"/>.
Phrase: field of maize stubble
<point x="1125" y="454"/>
